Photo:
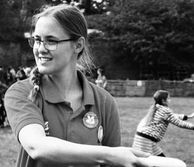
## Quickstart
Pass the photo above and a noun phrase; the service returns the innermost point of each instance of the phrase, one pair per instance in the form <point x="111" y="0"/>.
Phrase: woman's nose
<point x="42" y="48"/>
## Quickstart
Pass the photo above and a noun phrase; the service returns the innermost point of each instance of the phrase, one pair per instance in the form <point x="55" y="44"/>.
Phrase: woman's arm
<point x="174" y="119"/>
<point x="53" y="150"/>
<point x="185" y="117"/>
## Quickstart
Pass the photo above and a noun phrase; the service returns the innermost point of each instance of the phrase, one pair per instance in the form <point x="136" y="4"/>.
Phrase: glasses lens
<point x="31" y="42"/>
<point x="50" y="47"/>
<point x="35" y="43"/>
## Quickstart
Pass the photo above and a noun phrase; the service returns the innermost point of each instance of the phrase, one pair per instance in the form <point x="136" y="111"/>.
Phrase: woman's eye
<point x="51" y="42"/>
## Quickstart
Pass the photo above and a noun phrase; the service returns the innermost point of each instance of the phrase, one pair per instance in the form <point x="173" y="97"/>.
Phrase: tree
<point x="14" y="16"/>
<point x="150" y="33"/>
<point x="95" y="6"/>
<point x="9" y="21"/>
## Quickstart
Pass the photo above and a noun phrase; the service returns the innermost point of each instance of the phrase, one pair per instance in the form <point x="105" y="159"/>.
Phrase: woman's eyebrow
<point x="47" y="37"/>
<point x="51" y="36"/>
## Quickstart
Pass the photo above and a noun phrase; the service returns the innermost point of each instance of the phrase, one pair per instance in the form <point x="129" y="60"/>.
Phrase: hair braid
<point x="35" y="80"/>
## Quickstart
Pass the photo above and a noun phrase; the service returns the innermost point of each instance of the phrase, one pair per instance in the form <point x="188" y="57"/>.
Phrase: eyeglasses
<point x="49" y="44"/>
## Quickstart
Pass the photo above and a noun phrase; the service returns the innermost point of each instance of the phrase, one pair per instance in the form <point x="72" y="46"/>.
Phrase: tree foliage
<point x="145" y="32"/>
<point x="14" y="16"/>
<point x="9" y="21"/>
<point x="150" y="31"/>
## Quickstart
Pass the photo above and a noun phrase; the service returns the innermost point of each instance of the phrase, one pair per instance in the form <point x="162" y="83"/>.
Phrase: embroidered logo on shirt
<point x="90" y="120"/>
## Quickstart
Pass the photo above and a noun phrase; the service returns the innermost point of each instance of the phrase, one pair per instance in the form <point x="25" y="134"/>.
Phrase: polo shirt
<point x="96" y="122"/>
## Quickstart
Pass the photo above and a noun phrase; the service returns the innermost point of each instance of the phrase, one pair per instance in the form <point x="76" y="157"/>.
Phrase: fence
<point x="127" y="88"/>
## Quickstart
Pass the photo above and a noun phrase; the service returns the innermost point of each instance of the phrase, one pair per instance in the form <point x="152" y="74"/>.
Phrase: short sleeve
<point x="20" y="110"/>
<point x="112" y="124"/>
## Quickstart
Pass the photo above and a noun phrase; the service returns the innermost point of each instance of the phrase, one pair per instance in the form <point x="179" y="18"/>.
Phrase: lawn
<point x="177" y="142"/>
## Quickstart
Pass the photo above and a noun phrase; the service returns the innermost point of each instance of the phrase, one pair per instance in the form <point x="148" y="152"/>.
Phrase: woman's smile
<point x="45" y="59"/>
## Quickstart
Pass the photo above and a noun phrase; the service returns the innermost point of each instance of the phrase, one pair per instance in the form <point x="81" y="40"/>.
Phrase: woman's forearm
<point x="54" y="150"/>
<point x="51" y="149"/>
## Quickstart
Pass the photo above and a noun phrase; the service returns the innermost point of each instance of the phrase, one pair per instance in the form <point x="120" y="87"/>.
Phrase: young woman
<point x="153" y="126"/>
<point x="59" y="118"/>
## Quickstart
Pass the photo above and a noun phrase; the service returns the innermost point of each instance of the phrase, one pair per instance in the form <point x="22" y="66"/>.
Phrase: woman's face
<point x="166" y="102"/>
<point x="53" y="61"/>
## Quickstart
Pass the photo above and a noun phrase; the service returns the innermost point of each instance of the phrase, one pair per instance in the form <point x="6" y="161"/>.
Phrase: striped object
<point x="161" y="119"/>
<point x="146" y="145"/>
<point x="156" y="129"/>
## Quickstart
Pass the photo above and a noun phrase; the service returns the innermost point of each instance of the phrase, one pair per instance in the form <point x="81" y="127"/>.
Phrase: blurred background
<point x="129" y="39"/>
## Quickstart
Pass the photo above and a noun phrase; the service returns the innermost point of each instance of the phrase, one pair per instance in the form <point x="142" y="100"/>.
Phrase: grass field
<point x="177" y="142"/>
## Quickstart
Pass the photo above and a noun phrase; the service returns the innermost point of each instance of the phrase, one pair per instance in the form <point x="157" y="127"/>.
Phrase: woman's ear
<point x="79" y="45"/>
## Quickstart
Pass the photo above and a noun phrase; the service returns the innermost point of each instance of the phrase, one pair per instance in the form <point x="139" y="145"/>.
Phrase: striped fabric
<point x="146" y="145"/>
<point x="163" y="116"/>
<point x="157" y="128"/>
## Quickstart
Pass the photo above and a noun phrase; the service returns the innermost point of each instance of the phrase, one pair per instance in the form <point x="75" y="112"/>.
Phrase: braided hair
<point x="35" y="80"/>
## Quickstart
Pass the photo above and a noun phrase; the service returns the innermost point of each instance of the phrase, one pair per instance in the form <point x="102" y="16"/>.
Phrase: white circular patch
<point x="90" y="120"/>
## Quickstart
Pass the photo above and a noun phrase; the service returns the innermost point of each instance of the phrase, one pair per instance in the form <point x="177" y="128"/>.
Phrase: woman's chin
<point x="43" y="70"/>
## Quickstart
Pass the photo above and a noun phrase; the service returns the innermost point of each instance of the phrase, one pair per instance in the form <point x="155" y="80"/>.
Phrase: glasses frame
<point x="32" y="42"/>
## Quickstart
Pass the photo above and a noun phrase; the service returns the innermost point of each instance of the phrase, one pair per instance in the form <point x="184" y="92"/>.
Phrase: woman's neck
<point x="70" y="88"/>
<point x="66" y="82"/>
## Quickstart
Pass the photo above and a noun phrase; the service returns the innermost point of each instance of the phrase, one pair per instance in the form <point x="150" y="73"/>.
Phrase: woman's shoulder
<point x="162" y="108"/>
<point x="101" y="92"/>
<point x="20" y="86"/>
<point x="105" y="103"/>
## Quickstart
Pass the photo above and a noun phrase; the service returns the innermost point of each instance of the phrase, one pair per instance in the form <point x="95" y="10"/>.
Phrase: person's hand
<point x="128" y="157"/>
<point x="163" y="161"/>
<point x="190" y="115"/>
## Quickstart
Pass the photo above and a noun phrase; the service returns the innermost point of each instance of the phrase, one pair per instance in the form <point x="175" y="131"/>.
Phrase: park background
<point x="141" y="45"/>
<point x="130" y="39"/>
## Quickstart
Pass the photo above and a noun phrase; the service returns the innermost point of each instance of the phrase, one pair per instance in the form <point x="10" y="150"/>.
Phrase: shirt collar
<point x="51" y="92"/>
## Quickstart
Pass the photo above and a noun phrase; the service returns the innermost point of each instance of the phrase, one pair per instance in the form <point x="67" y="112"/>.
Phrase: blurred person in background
<point x="153" y="126"/>
<point x="20" y="75"/>
<point x="101" y="80"/>
<point x="27" y="71"/>
<point x="13" y="72"/>
<point x="2" y="112"/>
